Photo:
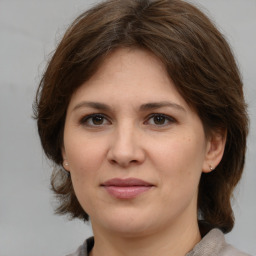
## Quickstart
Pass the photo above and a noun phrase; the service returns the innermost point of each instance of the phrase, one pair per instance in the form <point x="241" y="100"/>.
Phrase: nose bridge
<point x="125" y="147"/>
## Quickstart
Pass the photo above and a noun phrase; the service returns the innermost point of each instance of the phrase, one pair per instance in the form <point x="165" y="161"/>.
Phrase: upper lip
<point x="126" y="182"/>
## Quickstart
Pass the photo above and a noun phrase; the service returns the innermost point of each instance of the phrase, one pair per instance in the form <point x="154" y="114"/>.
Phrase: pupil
<point x="159" y="119"/>
<point x="97" y="120"/>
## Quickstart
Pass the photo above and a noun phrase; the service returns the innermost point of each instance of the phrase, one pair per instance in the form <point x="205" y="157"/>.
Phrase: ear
<point x="216" y="142"/>
<point x="65" y="162"/>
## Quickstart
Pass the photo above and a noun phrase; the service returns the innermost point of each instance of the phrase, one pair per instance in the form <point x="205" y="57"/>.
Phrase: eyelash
<point x="85" y="120"/>
<point x="167" y="119"/>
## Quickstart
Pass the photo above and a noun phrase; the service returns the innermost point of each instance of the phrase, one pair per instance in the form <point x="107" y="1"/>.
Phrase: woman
<point x="142" y="105"/>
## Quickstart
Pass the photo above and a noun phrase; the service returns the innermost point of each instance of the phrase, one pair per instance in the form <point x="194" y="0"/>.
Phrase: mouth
<point x="126" y="188"/>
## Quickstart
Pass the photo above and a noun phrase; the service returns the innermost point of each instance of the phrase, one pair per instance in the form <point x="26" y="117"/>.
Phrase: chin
<point x="130" y="230"/>
<point x="128" y="223"/>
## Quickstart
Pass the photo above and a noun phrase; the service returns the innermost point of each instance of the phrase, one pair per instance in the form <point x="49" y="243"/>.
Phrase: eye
<point x="160" y="120"/>
<point x="95" y="120"/>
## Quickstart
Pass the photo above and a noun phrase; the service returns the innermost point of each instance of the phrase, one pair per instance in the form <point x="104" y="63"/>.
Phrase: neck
<point x="168" y="242"/>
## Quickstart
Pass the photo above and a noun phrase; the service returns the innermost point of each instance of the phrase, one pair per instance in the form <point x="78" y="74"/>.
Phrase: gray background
<point x="29" y="31"/>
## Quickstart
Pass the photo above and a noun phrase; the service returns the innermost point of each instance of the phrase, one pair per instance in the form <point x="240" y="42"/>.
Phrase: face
<point x="134" y="148"/>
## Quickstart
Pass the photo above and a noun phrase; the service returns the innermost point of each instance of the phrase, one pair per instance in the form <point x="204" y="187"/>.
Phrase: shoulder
<point x="229" y="250"/>
<point x="214" y="243"/>
<point x="84" y="249"/>
<point x="81" y="251"/>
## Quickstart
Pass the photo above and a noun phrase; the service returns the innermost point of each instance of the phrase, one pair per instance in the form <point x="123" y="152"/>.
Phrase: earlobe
<point x="65" y="162"/>
<point x="214" y="150"/>
<point x="65" y="165"/>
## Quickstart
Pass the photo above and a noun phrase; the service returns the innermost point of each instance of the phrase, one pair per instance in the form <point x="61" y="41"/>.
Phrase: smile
<point x="126" y="188"/>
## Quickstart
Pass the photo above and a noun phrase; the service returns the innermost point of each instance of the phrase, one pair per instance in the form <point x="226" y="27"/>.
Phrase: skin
<point x="131" y="139"/>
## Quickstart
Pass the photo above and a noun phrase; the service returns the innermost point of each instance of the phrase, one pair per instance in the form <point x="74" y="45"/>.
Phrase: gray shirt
<point x="212" y="244"/>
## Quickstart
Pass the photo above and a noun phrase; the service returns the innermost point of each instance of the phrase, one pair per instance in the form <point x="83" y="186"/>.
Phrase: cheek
<point x="83" y="153"/>
<point x="85" y="159"/>
<point x="180" y="160"/>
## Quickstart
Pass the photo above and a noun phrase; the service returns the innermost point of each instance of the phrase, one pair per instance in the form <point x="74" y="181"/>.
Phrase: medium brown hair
<point x="197" y="58"/>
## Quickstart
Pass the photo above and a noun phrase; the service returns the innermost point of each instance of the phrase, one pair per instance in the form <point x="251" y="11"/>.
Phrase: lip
<point x="126" y="188"/>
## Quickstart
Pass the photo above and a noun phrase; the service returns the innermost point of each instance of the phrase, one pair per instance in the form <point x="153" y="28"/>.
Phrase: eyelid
<point x="84" y="119"/>
<point x="170" y="119"/>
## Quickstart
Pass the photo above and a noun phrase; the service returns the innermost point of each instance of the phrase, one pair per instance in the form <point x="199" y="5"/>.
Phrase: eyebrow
<point x="156" y="105"/>
<point x="143" y="107"/>
<point x="96" y="105"/>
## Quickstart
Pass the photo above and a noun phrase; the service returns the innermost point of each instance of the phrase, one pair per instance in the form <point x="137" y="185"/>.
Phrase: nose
<point x="126" y="147"/>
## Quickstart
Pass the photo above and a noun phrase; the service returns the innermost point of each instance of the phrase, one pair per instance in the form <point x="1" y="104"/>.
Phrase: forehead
<point x="130" y="74"/>
<point x="123" y="60"/>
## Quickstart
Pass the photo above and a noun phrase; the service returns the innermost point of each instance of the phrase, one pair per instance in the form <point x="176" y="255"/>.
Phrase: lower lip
<point x="126" y="192"/>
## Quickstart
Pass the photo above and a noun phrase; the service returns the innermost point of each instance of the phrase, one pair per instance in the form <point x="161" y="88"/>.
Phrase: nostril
<point x="112" y="161"/>
<point x="123" y="163"/>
